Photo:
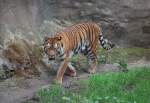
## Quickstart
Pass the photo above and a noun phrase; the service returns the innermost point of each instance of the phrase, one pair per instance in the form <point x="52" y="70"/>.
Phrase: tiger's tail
<point x="105" y="43"/>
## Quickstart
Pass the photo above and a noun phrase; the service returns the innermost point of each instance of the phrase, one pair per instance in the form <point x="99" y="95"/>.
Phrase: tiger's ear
<point x="58" y="38"/>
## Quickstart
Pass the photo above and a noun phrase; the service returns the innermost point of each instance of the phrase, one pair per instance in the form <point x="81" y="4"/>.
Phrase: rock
<point x="5" y="68"/>
<point x="124" y="22"/>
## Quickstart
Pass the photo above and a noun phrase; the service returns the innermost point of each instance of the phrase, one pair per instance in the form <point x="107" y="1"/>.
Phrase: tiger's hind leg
<point x="70" y="70"/>
<point x="92" y="60"/>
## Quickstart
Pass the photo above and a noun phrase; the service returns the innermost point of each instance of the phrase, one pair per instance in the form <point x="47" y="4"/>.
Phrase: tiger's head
<point x="53" y="47"/>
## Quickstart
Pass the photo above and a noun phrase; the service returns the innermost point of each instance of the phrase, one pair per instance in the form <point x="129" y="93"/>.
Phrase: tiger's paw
<point x="71" y="72"/>
<point x="91" y="71"/>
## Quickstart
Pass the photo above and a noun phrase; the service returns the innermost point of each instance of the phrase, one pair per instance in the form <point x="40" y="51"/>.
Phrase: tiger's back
<point x="80" y="36"/>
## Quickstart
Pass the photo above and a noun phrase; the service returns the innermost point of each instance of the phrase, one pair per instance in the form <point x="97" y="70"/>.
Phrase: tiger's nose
<point x="51" y="52"/>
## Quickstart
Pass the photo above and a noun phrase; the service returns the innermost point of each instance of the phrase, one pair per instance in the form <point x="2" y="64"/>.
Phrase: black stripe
<point x="62" y="59"/>
<point x="75" y="40"/>
<point x="81" y="27"/>
<point x="89" y="33"/>
<point x="61" y="55"/>
<point x="101" y="41"/>
<point x="92" y="58"/>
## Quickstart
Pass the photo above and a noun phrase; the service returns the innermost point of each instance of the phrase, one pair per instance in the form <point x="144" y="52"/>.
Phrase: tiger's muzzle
<point x="51" y="54"/>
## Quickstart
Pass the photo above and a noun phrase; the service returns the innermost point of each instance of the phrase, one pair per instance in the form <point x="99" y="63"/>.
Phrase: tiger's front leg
<point x="60" y="73"/>
<point x="71" y="70"/>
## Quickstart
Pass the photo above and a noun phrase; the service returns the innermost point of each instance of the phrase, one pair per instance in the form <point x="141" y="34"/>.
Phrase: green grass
<point x="118" y="56"/>
<point x="124" y="54"/>
<point x="111" y="87"/>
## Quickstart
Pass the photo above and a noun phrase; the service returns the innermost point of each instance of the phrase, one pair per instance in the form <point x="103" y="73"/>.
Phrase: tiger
<point x="83" y="38"/>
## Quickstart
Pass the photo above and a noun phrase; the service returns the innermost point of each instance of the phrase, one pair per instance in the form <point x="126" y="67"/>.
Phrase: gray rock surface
<point x="127" y="22"/>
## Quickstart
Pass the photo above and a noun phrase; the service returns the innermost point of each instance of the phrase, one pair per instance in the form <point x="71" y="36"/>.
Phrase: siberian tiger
<point x="83" y="38"/>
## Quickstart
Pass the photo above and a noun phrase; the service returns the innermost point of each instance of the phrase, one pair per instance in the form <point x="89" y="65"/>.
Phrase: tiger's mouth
<point x="51" y="57"/>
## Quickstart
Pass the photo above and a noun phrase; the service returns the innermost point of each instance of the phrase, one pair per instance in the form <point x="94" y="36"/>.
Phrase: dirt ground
<point x="22" y="90"/>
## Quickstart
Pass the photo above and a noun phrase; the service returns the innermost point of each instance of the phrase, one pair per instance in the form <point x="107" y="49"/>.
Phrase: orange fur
<point x="88" y="33"/>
